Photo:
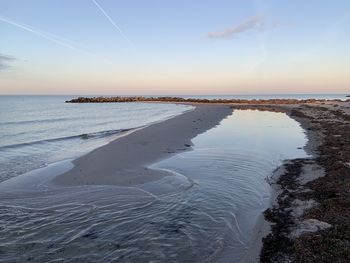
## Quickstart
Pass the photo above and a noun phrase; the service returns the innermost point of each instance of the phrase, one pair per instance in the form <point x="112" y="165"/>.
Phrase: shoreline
<point x="309" y="217"/>
<point x="213" y="116"/>
<point x="267" y="238"/>
<point x="76" y="176"/>
<point x="141" y="148"/>
<point x="308" y="194"/>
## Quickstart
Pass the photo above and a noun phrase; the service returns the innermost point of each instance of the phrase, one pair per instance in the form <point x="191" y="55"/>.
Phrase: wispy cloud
<point x="112" y="22"/>
<point x="255" y="22"/>
<point x="5" y="60"/>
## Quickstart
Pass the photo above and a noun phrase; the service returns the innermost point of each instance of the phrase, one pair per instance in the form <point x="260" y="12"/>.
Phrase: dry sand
<point x="125" y="160"/>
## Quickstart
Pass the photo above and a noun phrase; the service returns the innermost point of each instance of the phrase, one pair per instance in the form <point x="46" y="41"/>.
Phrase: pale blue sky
<point x="164" y="47"/>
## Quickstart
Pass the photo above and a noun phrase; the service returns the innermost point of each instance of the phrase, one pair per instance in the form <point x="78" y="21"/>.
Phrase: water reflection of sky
<point x="268" y="132"/>
<point x="229" y="166"/>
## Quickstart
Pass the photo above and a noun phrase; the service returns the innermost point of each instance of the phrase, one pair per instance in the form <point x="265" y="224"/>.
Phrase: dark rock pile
<point x="190" y="100"/>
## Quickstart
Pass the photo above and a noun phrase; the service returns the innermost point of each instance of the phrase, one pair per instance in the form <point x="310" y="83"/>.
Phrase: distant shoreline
<point x="119" y="99"/>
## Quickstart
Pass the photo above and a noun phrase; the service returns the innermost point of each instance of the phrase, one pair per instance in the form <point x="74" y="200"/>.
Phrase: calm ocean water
<point x="37" y="130"/>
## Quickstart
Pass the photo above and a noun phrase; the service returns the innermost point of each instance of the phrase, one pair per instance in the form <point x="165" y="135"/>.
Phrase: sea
<point x="205" y="212"/>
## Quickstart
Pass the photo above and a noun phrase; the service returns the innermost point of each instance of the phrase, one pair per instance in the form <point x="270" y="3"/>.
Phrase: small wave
<point x="37" y="121"/>
<point x="85" y="136"/>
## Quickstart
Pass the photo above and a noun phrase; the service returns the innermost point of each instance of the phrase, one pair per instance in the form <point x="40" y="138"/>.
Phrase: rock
<point x="309" y="226"/>
<point x="300" y="207"/>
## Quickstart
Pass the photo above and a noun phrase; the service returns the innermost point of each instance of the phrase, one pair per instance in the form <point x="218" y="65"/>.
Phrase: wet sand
<point x="124" y="161"/>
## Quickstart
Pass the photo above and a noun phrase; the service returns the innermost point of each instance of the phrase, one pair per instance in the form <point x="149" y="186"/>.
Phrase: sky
<point x="161" y="47"/>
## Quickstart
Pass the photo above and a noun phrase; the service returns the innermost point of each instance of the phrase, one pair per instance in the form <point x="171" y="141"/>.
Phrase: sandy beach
<point x="124" y="161"/>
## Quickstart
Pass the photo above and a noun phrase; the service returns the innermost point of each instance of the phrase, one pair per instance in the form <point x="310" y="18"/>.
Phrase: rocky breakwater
<point x="192" y="100"/>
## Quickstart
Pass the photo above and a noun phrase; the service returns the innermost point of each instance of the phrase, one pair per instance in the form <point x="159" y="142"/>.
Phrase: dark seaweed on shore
<point x="278" y="247"/>
<point x="331" y="192"/>
<point x="189" y="100"/>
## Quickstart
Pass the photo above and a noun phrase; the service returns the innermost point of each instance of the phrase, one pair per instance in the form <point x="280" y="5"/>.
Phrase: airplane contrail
<point x="112" y="21"/>
<point x="37" y="32"/>
<point x="50" y="37"/>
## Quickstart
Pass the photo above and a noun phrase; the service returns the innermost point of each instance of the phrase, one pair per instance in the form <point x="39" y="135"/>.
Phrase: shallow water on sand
<point x="204" y="213"/>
